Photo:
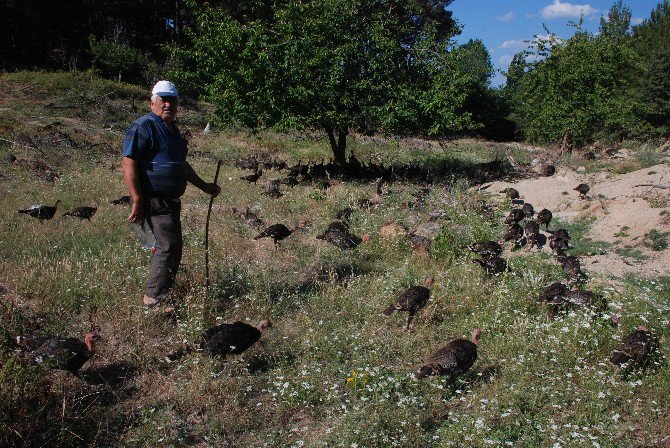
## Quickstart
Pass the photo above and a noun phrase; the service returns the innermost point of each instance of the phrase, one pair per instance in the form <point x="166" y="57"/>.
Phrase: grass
<point x="582" y="245"/>
<point x="332" y="371"/>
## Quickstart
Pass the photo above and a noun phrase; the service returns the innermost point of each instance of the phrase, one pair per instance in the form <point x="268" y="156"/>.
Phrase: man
<point x="155" y="171"/>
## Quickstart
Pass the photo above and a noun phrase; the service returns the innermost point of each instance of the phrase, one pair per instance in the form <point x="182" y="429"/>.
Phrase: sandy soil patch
<point x="624" y="208"/>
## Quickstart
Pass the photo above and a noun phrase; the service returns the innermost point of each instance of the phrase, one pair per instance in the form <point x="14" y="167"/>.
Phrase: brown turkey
<point x="637" y="350"/>
<point x="453" y="359"/>
<point x="82" y="213"/>
<point x="248" y="217"/>
<point x="412" y="300"/>
<point x="225" y="339"/>
<point x="58" y="352"/>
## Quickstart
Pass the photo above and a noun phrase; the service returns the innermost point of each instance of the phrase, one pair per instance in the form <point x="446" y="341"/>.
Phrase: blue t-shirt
<point x="161" y="155"/>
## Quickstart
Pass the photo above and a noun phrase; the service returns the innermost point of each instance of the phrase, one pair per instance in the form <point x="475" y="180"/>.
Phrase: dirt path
<point x="624" y="209"/>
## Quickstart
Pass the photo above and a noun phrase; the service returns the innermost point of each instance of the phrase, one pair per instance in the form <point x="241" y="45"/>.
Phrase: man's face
<point x="165" y="107"/>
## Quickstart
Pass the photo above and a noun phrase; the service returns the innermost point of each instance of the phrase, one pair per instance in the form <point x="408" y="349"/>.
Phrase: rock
<point x="392" y="230"/>
<point x="581" y="169"/>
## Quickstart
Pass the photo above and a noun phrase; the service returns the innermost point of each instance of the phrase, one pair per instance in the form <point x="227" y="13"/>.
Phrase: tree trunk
<point x="339" y="145"/>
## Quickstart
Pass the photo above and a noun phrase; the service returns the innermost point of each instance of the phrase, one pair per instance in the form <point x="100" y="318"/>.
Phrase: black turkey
<point x="339" y="235"/>
<point x="571" y="267"/>
<point x="224" y="339"/>
<point x="453" y="359"/>
<point x="528" y="210"/>
<point x="515" y="215"/>
<point x="59" y="353"/>
<point x="582" y="189"/>
<point x="41" y="211"/>
<point x="544" y="217"/>
<point x="253" y="178"/>
<point x="492" y="265"/>
<point x="486" y="248"/>
<point x="558" y="247"/>
<point x="548" y="170"/>
<point x="531" y="231"/>
<point x="277" y="232"/>
<point x="514" y="233"/>
<point x="344" y="214"/>
<point x="123" y="200"/>
<point x="232" y="338"/>
<point x="561" y="234"/>
<point x="552" y="291"/>
<point x="637" y="350"/>
<point x="411" y="300"/>
<point x="82" y="213"/>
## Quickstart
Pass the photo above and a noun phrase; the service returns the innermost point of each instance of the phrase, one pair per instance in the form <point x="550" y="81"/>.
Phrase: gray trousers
<point x="164" y="220"/>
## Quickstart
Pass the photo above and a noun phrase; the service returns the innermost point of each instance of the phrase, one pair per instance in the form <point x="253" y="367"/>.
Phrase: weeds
<point x="332" y="371"/>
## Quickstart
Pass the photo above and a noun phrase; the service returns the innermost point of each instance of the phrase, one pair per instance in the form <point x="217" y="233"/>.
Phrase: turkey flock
<point x="523" y="227"/>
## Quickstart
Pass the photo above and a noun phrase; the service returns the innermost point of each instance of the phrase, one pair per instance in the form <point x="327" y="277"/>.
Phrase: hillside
<point x="332" y="370"/>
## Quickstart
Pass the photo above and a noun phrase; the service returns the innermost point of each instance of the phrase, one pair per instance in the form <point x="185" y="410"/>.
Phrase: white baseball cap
<point x="165" y="88"/>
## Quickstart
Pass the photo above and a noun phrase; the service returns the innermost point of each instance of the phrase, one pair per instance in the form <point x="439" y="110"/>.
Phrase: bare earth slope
<point x="624" y="208"/>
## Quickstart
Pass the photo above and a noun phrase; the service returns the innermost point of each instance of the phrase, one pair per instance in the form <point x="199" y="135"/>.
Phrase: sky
<point x="504" y="25"/>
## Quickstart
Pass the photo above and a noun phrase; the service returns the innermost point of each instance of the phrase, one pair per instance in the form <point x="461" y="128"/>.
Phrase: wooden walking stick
<point x="209" y="212"/>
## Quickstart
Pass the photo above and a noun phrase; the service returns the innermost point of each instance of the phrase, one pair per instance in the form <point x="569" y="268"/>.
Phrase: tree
<point x="617" y="23"/>
<point x="336" y="65"/>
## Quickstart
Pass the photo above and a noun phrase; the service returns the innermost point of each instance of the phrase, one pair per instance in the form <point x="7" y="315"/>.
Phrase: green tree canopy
<point x="336" y="65"/>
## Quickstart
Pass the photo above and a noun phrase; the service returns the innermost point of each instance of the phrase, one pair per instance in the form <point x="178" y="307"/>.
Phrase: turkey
<point x="544" y="217"/>
<point x="123" y="200"/>
<point x="253" y="178"/>
<point x="582" y="189"/>
<point x="486" y="248"/>
<point x="515" y="215"/>
<point x="636" y="350"/>
<point x="82" y="213"/>
<point x="277" y="232"/>
<point x="41" y="211"/>
<point x="511" y="193"/>
<point x="225" y="339"/>
<point x="412" y="300"/>
<point x="532" y="232"/>
<point x="558" y="246"/>
<point x="338" y="234"/>
<point x="453" y="359"/>
<point x="548" y="170"/>
<point x="492" y="265"/>
<point x="248" y="217"/>
<point x="528" y="210"/>
<point x="514" y="233"/>
<point x="552" y="291"/>
<point x="560" y="234"/>
<point x="59" y="353"/>
<point x="571" y="267"/>
<point x="344" y="214"/>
